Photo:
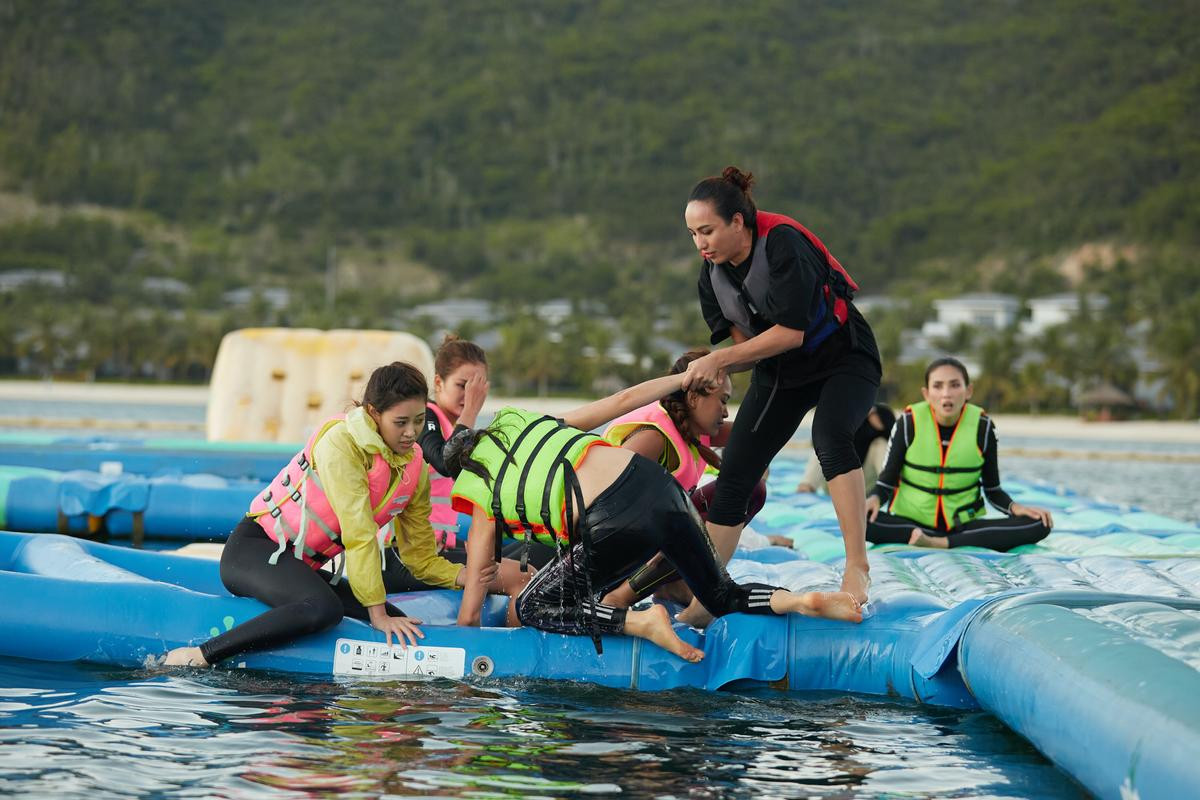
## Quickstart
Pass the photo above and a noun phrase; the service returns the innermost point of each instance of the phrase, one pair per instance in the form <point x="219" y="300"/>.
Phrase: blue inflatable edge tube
<point x="1121" y="717"/>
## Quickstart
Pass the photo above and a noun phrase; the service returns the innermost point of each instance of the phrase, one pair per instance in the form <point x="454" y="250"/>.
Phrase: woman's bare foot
<point x="695" y="615"/>
<point x="856" y="580"/>
<point x="621" y="597"/>
<point x="920" y="539"/>
<point x="781" y="541"/>
<point x="654" y="624"/>
<point x="829" y="605"/>
<point x="185" y="657"/>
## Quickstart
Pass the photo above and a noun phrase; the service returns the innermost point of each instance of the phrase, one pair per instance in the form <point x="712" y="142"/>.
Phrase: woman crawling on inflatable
<point x="607" y="510"/>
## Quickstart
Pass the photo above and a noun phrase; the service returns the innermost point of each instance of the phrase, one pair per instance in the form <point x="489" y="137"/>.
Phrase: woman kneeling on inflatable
<point x="607" y="510"/>
<point x="358" y="487"/>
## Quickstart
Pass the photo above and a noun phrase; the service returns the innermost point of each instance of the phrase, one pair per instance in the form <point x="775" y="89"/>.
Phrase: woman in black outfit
<point x="773" y="287"/>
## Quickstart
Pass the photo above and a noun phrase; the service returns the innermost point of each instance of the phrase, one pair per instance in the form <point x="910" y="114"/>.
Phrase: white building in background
<point x="984" y="310"/>
<point x="1056" y="309"/>
<point x="15" y="279"/>
<point x="276" y="298"/>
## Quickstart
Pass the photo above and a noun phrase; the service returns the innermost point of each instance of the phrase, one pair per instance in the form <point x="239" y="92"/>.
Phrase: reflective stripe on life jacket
<point x="742" y="304"/>
<point x="294" y="509"/>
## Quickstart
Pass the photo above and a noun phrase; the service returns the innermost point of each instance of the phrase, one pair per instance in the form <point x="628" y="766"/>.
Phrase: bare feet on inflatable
<point x="921" y="539"/>
<point x="856" y="580"/>
<point x="695" y="615"/>
<point x="781" y="541"/>
<point x="621" y="597"/>
<point x="185" y="657"/>
<point x="828" y="605"/>
<point x="654" y="624"/>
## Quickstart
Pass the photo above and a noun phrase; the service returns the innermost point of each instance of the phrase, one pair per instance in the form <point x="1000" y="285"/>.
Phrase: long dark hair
<point x="729" y="194"/>
<point x="456" y="455"/>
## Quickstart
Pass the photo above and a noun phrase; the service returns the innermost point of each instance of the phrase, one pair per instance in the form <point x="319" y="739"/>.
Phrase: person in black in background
<point x="941" y="462"/>
<point x="773" y="287"/>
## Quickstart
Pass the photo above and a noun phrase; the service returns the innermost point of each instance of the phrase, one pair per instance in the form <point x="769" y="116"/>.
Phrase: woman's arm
<point x="593" y="415"/>
<point x="481" y="554"/>
<point x="771" y="342"/>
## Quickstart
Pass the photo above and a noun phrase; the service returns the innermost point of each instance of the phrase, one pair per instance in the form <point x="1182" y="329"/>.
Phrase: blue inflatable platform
<point x="1096" y="660"/>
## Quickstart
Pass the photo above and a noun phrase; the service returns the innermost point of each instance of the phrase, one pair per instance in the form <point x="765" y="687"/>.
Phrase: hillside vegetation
<point x="529" y="150"/>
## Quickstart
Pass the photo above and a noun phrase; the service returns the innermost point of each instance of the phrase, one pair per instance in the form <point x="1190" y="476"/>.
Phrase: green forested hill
<point x="503" y="144"/>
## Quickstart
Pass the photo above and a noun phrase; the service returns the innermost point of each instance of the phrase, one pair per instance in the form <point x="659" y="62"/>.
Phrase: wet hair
<point x="453" y="352"/>
<point x="947" y="361"/>
<point x="729" y="194"/>
<point x="456" y="454"/>
<point x="676" y="406"/>
<point x="394" y="383"/>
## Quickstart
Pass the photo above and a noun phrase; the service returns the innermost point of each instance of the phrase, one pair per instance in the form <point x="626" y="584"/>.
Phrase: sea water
<point x="69" y="730"/>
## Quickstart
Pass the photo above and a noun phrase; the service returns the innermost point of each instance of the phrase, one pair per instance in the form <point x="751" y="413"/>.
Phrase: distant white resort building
<point x="15" y="279"/>
<point x="1056" y="309"/>
<point x="991" y="312"/>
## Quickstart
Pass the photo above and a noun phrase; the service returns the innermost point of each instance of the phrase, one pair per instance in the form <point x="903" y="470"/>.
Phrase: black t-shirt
<point x="796" y="290"/>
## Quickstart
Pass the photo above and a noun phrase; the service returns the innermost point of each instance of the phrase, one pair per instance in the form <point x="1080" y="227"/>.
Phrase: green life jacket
<point x="932" y="480"/>
<point x="525" y="454"/>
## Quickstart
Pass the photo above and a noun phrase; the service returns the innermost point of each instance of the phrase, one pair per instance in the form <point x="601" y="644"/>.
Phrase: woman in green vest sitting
<point x="941" y="463"/>
<point x="607" y="510"/>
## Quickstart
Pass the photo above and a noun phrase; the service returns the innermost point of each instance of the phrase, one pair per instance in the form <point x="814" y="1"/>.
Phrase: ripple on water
<point x="75" y="730"/>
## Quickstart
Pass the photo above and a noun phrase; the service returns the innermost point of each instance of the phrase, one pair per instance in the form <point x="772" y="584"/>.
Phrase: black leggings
<point x="302" y="600"/>
<point x="644" y="580"/>
<point x="642" y="512"/>
<point x="766" y="421"/>
<point x="995" y="534"/>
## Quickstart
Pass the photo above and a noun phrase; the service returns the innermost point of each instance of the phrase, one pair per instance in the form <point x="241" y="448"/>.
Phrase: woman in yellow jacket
<point x="358" y="487"/>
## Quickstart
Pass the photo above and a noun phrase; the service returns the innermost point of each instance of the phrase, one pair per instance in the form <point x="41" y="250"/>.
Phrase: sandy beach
<point x="1051" y="427"/>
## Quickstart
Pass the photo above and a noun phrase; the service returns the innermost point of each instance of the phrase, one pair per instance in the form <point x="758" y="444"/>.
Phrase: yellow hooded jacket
<point x="344" y="455"/>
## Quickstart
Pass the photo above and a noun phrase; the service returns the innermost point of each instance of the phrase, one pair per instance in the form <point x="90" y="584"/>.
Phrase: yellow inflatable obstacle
<point x="278" y="384"/>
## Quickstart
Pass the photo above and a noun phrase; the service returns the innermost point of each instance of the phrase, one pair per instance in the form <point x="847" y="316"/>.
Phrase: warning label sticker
<point x="353" y="657"/>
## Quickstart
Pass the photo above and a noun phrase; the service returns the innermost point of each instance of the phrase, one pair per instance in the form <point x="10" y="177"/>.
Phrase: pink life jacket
<point x="442" y="516"/>
<point x="691" y="465"/>
<point x="294" y="508"/>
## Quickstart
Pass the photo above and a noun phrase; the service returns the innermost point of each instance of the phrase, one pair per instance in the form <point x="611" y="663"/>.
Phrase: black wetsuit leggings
<point x="643" y="512"/>
<point x="994" y="534"/>
<point x="767" y="419"/>
<point x="302" y="600"/>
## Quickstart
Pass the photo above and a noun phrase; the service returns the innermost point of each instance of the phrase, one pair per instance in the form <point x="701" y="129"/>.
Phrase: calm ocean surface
<point x="69" y="730"/>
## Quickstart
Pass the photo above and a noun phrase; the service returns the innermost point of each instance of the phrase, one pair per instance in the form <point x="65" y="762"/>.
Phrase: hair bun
<point x="742" y="180"/>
